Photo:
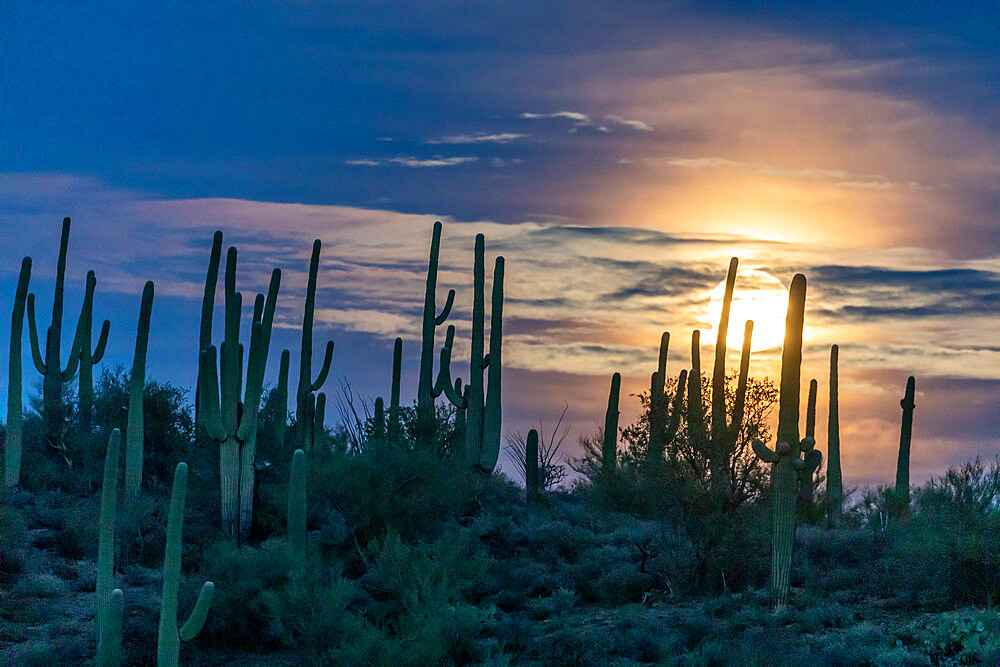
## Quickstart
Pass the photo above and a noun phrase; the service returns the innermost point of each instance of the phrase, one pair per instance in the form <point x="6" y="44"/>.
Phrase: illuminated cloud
<point x="499" y="138"/>
<point x="414" y="162"/>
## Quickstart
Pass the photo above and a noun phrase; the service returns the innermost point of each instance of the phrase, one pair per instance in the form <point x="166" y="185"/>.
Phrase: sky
<point x="617" y="158"/>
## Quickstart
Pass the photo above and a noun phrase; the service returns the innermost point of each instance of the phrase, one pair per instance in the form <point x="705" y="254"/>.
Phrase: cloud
<point x="580" y="118"/>
<point x="479" y="138"/>
<point x="634" y="124"/>
<point x="413" y="162"/>
<point x="584" y="120"/>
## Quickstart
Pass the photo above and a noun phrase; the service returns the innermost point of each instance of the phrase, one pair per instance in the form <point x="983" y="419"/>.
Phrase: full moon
<point x="758" y="296"/>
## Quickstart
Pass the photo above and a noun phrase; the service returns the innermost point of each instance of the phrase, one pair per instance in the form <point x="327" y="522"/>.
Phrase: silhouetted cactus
<point x="397" y="364"/>
<point x="658" y="403"/>
<point x="135" y="429"/>
<point x="319" y="423"/>
<point x="483" y="421"/>
<point x="697" y="430"/>
<point x="207" y="311"/>
<point x="431" y="320"/>
<point x="280" y="398"/>
<point x="50" y="365"/>
<point x="902" y="488"/>
<point x="306" y="384"/>
<point x="106" y="548"/>
<point x="297" y="503"/>
<point x="234" y="429"/>
<point x="834" y="478"/>
<point x="531" y="467"/>
<point x="378" y="422"/>
<point x="786" y="451"/>
<point x="444" y="384"/>
<point x="88" y="357"/>
<point x="812" y="458"/>
<point x="609" y="452"/>
<point x="14" y="440"/>
<point x="168" y="644"/>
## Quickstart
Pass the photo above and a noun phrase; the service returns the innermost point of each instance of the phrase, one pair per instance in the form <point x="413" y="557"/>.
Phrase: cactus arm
<point x="719" y="426"/>
<point x="260" y="340"/>
<point x="75" y="352"/>
<point x="281" y="399"/>
<point x="657" y="401"/>
<point x="474" y="417"/>
<point x="106" y="528"/>
<point x="135" y="431"/>
<point x="211" y="412"/>
<point x="678" y="406"/>
<point x="609" y="451"/>
<point x="196" y="621"/>
<point x="739" y="408"/>
<point x="834" y="478"/>
<point x="446" y="311"/>
<point x="109" y="649"/>
<point x="324" y="370"/>
<point x="229" y="361"/>
<point x="207" y="311"/>
<point x="492" y="412"/>
<point x="763" y="452"/>
<point x="36" y="353"/>
<point x="297" y="503"/>
<point x="444" y="384"/>
<point x="102" y="343"/>
<point x="811" y="410"/>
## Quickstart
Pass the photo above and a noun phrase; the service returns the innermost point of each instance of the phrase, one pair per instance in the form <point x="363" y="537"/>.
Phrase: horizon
<point x="616" y="170"/>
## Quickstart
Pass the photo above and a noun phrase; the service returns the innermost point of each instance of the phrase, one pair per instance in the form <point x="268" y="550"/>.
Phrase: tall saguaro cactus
<point x="303" y="416"/>
<point x="168" y="641"/>
<point x="697" y="431"/>
<point x="106" y="543"/>
<point x="431" y="320"/>
<point x="902" y="489"/>
<point x="207" y="311"/>
<point x="280" y="398"/>
<point x="15" y="413"/>
<point x="50" y="367"/>
<point x="609" y="451"/>
<point x="785" y="456"/>
<point x="297" y="503"/>
<point x="834" y="478"/>
<point x="658" y="403"/>
<point x="397" y="365"/>
<point x="136" y="429"/>
<point x="89" y="358"/>
<point x="482" y="441"/>
<point x="233" y="429"/>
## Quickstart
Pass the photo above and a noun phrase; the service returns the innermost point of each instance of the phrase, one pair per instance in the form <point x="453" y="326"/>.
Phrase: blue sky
<point x="615" y="158"/>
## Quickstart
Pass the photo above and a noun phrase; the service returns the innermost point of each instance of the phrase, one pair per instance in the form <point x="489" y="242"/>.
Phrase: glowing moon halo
<point x="758" y="296"/>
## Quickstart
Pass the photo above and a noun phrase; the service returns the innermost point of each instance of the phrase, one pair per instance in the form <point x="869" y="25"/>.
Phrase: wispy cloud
<point x="584" y="120"/>
<point x="479" y="138"/>
<point x="579" y="118"/>
<point x="413" y="162"/>
<point x="634" y="124"/>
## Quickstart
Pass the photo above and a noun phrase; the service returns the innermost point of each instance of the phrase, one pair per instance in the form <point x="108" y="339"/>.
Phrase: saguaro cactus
<point x="280" y="398"/>
<point x="531" y="467"/>
<point x="106" y="544"/>
<point x="658" y="403"/>
<point x="378" y="422"/>
<point x="307" y="385"/>
<point x="812" y="458"/>
<point x="397" y="364"/>
<point x="236" y="431"/>
<point x="88" y="357"/>
<point x="834" y="479"/>
<point x="137" y="383"/>
<point x="109" y="650"/>
<point x="297" y="503"/>
<point x="785" y="455"/>
<point x="207" y="311"/>
<point x="15" y="413"/>
<point x="609" y="452"/>
<point x="483" y="422"/>
<point x="902" y="489"/>
<point x="697" y="431"/>
<point x="168" y="643"/>
<point x="319" y="423"/>
<point x="431" y="320"/>
<point x="50" y="365"/>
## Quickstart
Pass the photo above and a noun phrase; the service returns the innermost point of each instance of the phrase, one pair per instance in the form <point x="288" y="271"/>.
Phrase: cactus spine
<point x="531" y="467"/>
<point x="168" y="642"/>
<point x="106" y="545"/>
<point x="15" y="413"/>
<point x="902" y="489"/>
<point x="431" y="320"/>
<point x="297" y="503"/>
<point x="812" y="457"/>
<point x="834" y="479"/>
<point x="609" y="452"/>
<point x="303" y="415"/>
<point x="88" y="357"/>
<point x="483" y="422"/>
<point x="786" y="451"/>
<point x="49" y="366"/>
<point x="135" y="431"/>
<point x="397" y="364"/>
<point x="233" y="429"/>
